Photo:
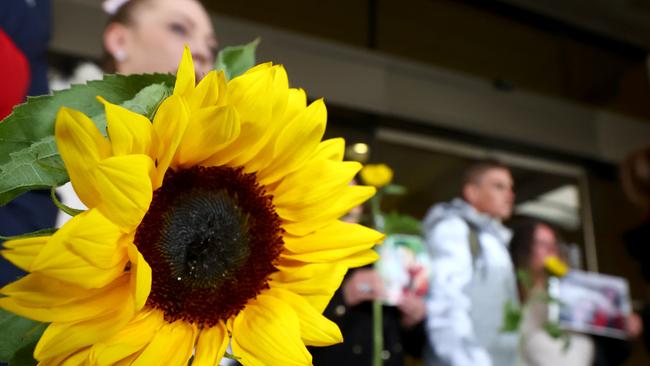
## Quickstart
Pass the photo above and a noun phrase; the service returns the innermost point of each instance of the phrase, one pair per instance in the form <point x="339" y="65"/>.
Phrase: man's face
<point x="492" y="193"/>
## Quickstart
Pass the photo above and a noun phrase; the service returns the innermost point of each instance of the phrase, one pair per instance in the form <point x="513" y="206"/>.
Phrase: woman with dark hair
<point x="533" y="241"/>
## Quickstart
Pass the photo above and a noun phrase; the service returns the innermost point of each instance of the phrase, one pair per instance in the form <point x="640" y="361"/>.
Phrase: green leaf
<point x="512" y="315"/>
<point x="553" y="330"/>
<point x="33" y="120"/>
<point x="34" y="163"/>
<point x="395" y="190"/>
<point x="396" y="223"/>
<point x="524" y="277"/>
<point x="38" y="166"/>
<point x="235" y="60"/>
<point x="145" y="102"/>
<point x="18" y="337"/>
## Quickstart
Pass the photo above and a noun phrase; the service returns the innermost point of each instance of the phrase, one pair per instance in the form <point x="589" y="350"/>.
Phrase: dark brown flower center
<point x="211" y="237"/>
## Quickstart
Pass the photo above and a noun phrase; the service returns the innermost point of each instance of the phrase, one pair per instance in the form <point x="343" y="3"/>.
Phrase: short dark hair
<point x="476" y="169"/>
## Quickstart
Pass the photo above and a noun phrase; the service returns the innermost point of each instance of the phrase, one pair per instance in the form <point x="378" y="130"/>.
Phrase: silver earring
<point x="120" y="55"/>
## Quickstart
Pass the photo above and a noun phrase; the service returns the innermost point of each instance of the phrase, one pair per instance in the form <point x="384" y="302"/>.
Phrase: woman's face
<point x="544" y="245"/>
<point x="159" y="29"/>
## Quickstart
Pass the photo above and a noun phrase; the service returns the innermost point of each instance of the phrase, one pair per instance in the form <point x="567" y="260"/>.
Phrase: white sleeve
<point x="449" y="325"/>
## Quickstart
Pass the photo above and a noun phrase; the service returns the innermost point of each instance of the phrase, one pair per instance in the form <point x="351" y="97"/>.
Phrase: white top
<point x="540" y="349"/>
<point x="467" y="296"/>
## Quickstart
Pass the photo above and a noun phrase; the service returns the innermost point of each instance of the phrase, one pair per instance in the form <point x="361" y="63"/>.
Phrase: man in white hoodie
<point x="472" y="274"/>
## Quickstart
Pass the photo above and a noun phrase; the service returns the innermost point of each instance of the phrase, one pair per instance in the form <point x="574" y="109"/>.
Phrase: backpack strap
<point x="475" y="248"/>
<point x="474" y="244"/>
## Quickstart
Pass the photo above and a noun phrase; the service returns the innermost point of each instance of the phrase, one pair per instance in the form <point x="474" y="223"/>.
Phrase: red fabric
<point x="14" y="75"/>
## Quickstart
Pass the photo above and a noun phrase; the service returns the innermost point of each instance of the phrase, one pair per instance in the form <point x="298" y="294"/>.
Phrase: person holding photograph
<point x="532" y="243"/>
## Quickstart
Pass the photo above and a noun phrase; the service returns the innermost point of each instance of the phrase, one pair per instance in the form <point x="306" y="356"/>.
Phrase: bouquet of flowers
<point x="212" y="221"/>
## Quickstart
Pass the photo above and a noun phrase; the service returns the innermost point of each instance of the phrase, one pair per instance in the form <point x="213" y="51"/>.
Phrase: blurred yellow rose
<point x="556" y="266"/>
<point x="377" y="175"/>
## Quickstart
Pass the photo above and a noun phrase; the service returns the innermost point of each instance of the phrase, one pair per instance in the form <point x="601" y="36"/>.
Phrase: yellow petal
<point x="281" y="93"/>
<point x="251" y="95"/>
<point x="555" y="266"/>
<point x="169" y="126"/>
<point x="171" y="345"/>
<point x="41" y="291"/>
<point x="354" y="257"/>
<point x="280" y="97"/>
<point x="335" y="235"/>
<point x="308" y="128"/>
<point x="59" y="261"/>
<point x="185" y="76"/>
<point x="305" y="220"/>
<point x="315" y="329"/>
<point x="296" y="103"/>
<point x="127" y="361"/>
<point x="128" y="341"/>
<point x="210" y="130"/>
<point x="22" y="252"/>
<point x="267" y="332"/>
<point x="129" y="132"/>
<point x="96" y="240"/>
<point x="140" y="277"/>
<point x="316" y="282"/>
<point x="81" y="147"/>
<point x="77" y="359"/>
<point x="332" y="149"/>
<point x="211" y="346"/>
<point x="125" y="186"/>
<point x="28" y="297"/>
<point x="210" y="92"/>
<point x="377" y="175"/>
<point x="60" y="338"/>
<point x="298" y="188"/>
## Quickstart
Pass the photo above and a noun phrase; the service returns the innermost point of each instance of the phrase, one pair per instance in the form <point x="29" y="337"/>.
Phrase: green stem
<point x="377" y="304"/>
<point x="231" y="356"/>
<point x="69" y="210"/>
<point x="44" y="232"/>
<point x="378" y="336"/>
<point x="377" y="216"/>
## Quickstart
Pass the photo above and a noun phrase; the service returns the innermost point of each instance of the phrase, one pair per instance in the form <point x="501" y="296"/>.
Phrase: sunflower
<point x="215" y="224"/>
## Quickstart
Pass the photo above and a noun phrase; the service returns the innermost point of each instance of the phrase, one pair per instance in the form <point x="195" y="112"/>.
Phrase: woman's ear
<point x="116" y="37"/>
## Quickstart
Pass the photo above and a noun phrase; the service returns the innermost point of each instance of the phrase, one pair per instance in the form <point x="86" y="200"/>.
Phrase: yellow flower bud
<point x="556" y="266"/>
<point x="377" y="175"/>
